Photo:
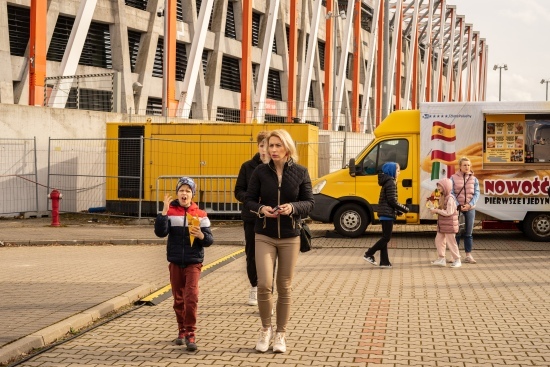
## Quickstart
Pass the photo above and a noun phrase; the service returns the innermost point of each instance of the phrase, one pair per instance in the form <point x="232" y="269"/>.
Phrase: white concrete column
<point x="121" y="56"/>
<point x="146" y="56"/>
<point x="267" y="47"/>
<point x="69" y="63"/>
<point x="307" y="69"/>
<point x="6" y="83"/>
<point x="194" y="60"/>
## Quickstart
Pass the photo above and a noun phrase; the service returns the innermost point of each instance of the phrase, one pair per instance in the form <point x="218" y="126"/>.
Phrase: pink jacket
<point x="447" y="216"/>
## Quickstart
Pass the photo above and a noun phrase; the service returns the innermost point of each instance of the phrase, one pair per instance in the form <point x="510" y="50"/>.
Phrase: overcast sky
<point x="518" y="34"/>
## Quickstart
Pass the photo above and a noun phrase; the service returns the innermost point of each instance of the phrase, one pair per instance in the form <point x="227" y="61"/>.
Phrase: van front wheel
<point x="537" y="226"/>
<point x="350" y="220"/>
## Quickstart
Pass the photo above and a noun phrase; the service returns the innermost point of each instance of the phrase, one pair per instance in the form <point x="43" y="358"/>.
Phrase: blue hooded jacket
<point x="390" y="168"/>
<point x="388" y="206"/>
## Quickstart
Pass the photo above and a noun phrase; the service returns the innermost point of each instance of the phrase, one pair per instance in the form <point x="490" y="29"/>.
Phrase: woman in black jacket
<point x="280" y="194"/>
<point x="388" y="209"/>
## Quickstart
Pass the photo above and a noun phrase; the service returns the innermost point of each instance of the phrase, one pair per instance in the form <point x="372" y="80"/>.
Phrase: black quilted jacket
<point x="295" y="189"/>
<point x="388" y="204"/>
<point x="242" y="185"/>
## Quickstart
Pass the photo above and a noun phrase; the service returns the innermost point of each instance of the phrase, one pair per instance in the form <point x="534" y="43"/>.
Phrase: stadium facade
<point x="337" y="64"/>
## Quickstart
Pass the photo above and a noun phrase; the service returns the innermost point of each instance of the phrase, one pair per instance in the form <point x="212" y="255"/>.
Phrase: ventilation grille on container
<point x="227" y="114"/>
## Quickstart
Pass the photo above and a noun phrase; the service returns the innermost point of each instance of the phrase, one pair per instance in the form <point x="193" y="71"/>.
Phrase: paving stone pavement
<point x="346" y="312"/>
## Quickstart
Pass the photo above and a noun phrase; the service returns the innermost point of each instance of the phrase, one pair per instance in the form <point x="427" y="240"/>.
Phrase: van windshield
<point x="395" y="150"/>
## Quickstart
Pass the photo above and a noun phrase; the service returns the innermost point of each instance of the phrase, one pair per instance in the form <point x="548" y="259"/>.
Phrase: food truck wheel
<point x="537" y="226"/>
<point x="351" y="220"/>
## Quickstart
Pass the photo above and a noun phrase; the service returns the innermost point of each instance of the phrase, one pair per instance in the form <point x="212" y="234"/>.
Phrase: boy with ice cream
<point x="185" y="257"/>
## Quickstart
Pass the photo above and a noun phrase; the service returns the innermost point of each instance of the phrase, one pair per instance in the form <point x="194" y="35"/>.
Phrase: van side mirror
<point x="351" y="167"/>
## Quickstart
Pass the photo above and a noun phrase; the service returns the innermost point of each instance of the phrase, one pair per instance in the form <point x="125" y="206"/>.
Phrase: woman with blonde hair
<point x="466" y="193"/>
<point x="280" y="194"/>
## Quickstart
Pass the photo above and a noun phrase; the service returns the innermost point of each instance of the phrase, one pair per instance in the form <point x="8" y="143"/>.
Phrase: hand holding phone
<point x="277" y="208"/>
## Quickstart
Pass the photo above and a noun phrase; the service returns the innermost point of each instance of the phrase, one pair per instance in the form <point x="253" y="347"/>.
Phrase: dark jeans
<point x="469" y="217"/>
<point x="382" y="244"/>
<point x="250" y="251"/>
<point x="185" y="290"/>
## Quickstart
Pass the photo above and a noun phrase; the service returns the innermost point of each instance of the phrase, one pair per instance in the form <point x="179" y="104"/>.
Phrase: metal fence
<point x="18" y="176"/>
<point x="93" y="180"/>
<point x="77" y="168"/>
<point x="110" y="176"/>
<point x="214" y="193"/>
<point x="82" y="92"/>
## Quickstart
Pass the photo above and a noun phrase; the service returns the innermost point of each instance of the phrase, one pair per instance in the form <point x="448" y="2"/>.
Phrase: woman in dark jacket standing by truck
<point x="280" y="194"/>
<point x="388" y="209"/>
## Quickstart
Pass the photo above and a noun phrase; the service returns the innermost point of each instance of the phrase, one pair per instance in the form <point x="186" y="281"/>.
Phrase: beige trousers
<point x="442" y="240"/>
<point x="285" y="251"/>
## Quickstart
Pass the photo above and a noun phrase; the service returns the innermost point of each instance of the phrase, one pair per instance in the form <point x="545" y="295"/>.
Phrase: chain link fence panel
<point x="18" y="177"/>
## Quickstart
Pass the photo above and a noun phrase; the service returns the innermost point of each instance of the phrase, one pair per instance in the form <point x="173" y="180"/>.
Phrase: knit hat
<point x="186" y="181"/>
<point x="390" y="168"/>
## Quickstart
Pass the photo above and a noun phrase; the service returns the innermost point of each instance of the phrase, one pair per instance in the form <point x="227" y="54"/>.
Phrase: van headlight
<point x="319" y="186"/>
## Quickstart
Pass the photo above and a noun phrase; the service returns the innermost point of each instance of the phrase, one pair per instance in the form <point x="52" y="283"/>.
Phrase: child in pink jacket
<point x="447" y="224"/>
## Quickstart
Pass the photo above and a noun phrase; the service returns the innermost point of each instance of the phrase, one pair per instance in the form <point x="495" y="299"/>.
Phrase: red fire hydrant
<point x="55" y="196"/>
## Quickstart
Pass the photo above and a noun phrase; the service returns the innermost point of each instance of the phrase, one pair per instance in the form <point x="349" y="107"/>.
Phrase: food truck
<point x="508" y="144"/>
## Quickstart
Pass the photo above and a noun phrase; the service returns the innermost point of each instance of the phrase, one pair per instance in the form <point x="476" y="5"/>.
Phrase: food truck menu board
<point x="504" y="142"/>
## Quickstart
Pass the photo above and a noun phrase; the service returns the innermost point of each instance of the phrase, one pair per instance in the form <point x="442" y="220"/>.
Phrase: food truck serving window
<point x="516" y="139"/>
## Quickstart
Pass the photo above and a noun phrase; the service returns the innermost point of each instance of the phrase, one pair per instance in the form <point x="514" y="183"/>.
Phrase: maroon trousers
<point x="185" y="290"/>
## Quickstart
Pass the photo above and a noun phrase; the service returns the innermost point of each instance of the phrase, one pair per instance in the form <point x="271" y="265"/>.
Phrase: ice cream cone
<point x="192" y="222"/>
<point x="195" y="223"/>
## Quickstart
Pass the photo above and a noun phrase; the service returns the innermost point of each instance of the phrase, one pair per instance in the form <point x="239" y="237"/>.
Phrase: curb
<point x="52" y="333"/>
<point x="48" y="335"/>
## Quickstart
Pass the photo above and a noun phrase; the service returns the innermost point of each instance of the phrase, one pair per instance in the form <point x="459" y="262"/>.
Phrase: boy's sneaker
<point x="253" y="296"/>
<point x="180" y="338"/>
<point x="369" y="259"/>
<point x="279" y="345"/>
<point x="264" y="339"/>
<point x="190" y="342"/>
<point x="456" y="264"/>
<point x="440" y="262"/>
<point x="388" y="266"/>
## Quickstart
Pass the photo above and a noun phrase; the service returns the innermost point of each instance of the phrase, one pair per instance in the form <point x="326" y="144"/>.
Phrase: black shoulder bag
<point x="305" y="237"/>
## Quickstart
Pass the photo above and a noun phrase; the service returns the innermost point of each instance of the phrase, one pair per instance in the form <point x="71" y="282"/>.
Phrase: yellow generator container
<point x="144" y="159"/>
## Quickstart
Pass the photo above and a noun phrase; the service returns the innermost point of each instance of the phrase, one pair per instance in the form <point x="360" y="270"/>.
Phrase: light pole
<point x="330" y="15"/>
<point x="545" y="81"/>
<point x="500" y="67"/>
